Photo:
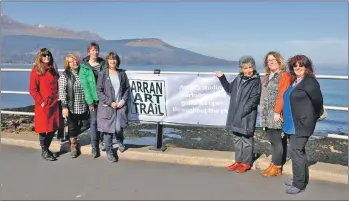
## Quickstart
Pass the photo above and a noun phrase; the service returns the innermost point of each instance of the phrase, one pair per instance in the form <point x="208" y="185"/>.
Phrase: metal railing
<point x="335" y="77"/>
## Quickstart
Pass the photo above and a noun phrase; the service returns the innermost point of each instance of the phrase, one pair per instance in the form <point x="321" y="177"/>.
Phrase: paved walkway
<point x="25" y="175"/>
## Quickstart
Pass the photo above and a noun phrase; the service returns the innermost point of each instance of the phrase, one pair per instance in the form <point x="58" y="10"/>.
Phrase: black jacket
<point x="306" y="105"/>
<point x="70" y="89"/>
<point x="244" y="100"/>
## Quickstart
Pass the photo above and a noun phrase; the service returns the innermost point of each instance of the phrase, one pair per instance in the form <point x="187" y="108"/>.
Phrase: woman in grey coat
<point x="113" y="91"/>
<point x="244" y="92"/>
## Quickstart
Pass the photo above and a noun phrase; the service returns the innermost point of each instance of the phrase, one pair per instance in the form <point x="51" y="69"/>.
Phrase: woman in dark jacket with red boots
<point x="43" y="87"/>
<point x="244" y="92"/>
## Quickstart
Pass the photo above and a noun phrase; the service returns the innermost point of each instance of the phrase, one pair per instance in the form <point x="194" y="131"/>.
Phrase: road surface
<point x="25" y="175"/>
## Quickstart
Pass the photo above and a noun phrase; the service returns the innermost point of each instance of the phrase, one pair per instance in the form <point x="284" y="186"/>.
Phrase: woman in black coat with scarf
<point x="303" y="106"/>
<point x="244" y="92"/>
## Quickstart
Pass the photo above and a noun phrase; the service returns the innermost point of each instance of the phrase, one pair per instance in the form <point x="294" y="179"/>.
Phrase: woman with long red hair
<point x="43" y="87"/>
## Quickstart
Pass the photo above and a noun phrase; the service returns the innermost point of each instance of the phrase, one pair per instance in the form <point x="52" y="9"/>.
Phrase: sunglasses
<point x="298" y="66"/>
<point x="46" y="55"/>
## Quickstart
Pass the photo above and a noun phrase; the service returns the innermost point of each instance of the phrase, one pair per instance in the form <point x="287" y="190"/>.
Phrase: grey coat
<point x="106" y="115"/>
<point x="244" y="100"/>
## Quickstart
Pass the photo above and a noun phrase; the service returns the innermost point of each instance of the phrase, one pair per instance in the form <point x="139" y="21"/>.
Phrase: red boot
<point x="243" y="168"/>
<point x="234" y="166"/>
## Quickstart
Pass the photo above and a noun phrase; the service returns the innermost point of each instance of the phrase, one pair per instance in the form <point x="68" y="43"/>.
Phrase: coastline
<point x="319" y="149"/>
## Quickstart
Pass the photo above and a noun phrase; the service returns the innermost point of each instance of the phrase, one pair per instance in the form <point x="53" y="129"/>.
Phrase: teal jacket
<point x="88" y="81"/>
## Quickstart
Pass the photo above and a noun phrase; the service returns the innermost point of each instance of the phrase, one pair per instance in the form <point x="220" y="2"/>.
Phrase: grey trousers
<point x="243" y="147"/>
<point x="300" y="168"/>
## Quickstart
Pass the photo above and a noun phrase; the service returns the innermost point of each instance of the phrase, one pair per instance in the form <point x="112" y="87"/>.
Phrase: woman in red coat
<point x="43" y="87"/>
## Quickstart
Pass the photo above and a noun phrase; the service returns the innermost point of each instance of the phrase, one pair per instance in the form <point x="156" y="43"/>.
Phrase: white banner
<point x="174" y="98"/>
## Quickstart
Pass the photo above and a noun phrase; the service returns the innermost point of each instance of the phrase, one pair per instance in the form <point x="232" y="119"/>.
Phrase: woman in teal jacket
<point x="89" y="69"/>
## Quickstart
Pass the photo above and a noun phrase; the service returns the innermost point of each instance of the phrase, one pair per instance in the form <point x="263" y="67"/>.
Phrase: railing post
<point x="159" y="139"/>
<point x="159" y="130"/>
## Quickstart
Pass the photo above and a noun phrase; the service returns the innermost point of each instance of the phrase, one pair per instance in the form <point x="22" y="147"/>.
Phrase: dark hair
<point x="92" y="45"/>
<point x="302" y="60"/>
<point x="112" y="55"/>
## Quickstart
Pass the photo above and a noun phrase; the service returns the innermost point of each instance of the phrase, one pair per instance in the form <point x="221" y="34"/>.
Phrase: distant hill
<point x="13" y="27"/>
<point x="21" y="42"/>
<point x="150" y="51"/>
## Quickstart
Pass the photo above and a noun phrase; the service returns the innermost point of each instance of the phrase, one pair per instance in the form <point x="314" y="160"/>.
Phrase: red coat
<point x="44" y="88"/>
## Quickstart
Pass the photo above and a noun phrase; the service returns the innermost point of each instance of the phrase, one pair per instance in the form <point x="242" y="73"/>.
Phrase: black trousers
<point x="45" y="140"/>
<point x="278" y="147"/>
<point x="60" y="132"/>
<point x="77" y="123"/>
<point x="243" y="147"/>
<point x="300" y="167"/>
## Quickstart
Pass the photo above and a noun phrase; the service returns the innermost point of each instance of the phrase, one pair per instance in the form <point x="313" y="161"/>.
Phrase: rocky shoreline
<point x="334" y="151"/>
<point x="18" y="123"/>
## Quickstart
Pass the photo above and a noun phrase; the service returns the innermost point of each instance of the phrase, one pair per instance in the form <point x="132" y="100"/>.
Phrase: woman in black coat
<point x="303" y="105"/>
<point x="244" y="92"/>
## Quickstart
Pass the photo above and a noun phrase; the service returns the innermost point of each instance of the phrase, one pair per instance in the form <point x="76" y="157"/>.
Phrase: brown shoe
<point x="274" y="171"/>
<point x="267" y="169"/>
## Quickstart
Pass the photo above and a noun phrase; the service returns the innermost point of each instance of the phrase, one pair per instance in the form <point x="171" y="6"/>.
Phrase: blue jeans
<point x="96" y="136"/>
<point x="108" y="142"/>
<point x="108" y="139"/>
<point x="119" y="133"/>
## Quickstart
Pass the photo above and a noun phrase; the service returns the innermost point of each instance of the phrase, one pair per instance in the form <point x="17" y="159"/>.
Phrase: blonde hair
<point x="69" y="56"/>
<point x="280" y="60"/>
<point x="38" y="65"/>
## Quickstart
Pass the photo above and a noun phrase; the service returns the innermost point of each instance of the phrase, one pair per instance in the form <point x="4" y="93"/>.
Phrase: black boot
<point x="44" y="150"/>
<point x="48" y="140"/>
<point x="95" y="149"/>
<point x="101" y="143"/>
<point x="95" y="152"/>
<point x="111" y="155"/>
<point x="95" y="145"/>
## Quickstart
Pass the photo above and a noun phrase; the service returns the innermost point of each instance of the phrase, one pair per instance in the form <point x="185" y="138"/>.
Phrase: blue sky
<point x="225" y="30"/>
